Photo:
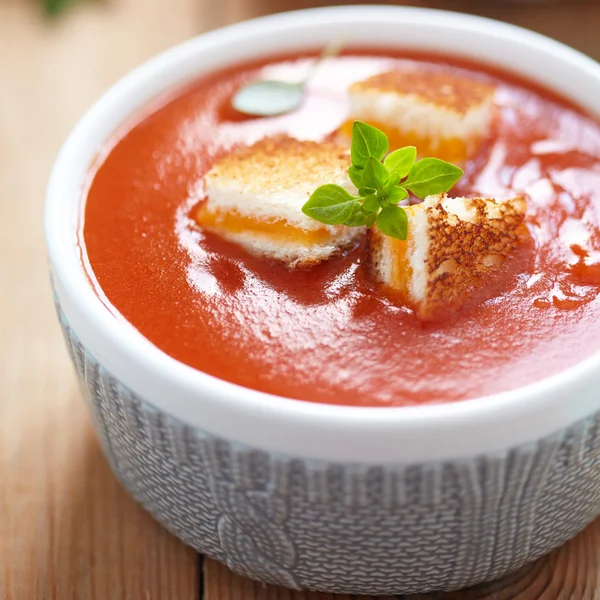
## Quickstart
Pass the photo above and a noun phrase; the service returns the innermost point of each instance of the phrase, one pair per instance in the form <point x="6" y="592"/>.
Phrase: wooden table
<point x="67" y="528"/>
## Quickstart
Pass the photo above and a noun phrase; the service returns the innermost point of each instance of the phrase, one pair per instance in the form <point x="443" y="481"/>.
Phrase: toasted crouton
<point x="443" y="114"/>
<point x="452" y="244"/>
<point x="255" y="196"/>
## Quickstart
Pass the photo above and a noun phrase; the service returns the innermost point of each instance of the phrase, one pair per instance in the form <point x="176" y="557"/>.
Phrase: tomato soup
<point x="328" y="334"/>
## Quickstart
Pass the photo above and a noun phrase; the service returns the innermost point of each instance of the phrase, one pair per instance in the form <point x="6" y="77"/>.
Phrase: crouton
<point x="443" y="114"/>
<point x="255" y="196"/>
<point x="452" y="244"/>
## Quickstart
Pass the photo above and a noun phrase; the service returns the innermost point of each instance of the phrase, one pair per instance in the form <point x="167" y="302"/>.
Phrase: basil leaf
<point x="330" y="204"/>
<point x="370" y="204"/>
<point x="432" y="176"/>
<point x="355" y="175"/>
<point x="392" y="182"/>
<point x="397" y="194"/>
<point x="393" y="221"/>
<point x="375" y="175"/>
<point x="366" y="191"/>
<point x="401" y="161"/>
<point x="358" y="217"/>
<point x="371" y="220"/>
<point x="367" y="142"/>
<point x="356" y="220"/>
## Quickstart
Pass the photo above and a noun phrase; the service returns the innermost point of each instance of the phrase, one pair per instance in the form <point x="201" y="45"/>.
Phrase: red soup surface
<point x="327" y="334"/>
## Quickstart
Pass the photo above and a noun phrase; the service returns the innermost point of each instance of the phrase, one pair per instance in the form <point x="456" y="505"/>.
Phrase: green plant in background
<point x="56" y="7"/>
<point x="381" y="184"/>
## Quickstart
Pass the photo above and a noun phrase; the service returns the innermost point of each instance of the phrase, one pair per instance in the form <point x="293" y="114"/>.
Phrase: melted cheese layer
<point x="224" y="222"/>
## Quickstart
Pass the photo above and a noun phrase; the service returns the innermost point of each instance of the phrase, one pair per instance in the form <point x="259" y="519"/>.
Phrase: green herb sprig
<point x="382" y="183"/>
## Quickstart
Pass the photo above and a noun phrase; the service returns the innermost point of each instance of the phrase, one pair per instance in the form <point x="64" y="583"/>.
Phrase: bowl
<point x="309" y="496"/>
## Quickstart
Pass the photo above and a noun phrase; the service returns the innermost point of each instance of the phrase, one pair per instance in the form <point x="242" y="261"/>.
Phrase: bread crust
<point x="464" y="240"/>
<point x="255" y="194"/>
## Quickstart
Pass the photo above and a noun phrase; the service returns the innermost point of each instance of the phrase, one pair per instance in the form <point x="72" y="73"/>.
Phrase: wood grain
<point x="67" y="529"/>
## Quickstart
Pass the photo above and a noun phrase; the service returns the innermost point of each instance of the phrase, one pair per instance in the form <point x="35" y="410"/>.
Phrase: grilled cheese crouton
<point x="443" y="114"/>
<point x="452" y="244"/>
<point x="255" y="196"/>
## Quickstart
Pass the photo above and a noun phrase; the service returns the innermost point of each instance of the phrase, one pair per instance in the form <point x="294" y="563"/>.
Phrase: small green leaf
<point x="401" y="161"/>
<point x="355" y="175"/>
<point x="364" y="192"/>
<point x="392" y="182"/>
<point x="356" y="220"/>
<point x="371" y="220"/>
<point x="397" y="194"/>
<point x="393" y="221"/>
<point x="330" y="204"/>
<point x="367" y="142"/>
<point x="432" y="176"/>
<point x="370" y="204"/>
<point x="375" y="175"/>
<point x="358" y="217"/>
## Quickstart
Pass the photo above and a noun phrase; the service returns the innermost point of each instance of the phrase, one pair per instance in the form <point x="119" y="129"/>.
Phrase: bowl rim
<point x="377" y="435"/>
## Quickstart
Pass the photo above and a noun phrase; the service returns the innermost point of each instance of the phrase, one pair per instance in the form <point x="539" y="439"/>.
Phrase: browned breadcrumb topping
<point x="281" y="162"/>
<point x="461" y="252"/>
<point x="449" y="90"/>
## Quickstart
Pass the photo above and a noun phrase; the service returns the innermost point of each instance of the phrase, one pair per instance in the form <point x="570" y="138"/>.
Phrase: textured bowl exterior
<point x="345" y="528"/>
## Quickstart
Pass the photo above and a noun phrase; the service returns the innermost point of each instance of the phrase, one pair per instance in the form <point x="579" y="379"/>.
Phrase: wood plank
<point x="569" y="573"/>
<point x="67" y="528"/>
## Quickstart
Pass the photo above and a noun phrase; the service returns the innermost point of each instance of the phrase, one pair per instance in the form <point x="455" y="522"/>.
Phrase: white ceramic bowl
<point x="221" y="465"/>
